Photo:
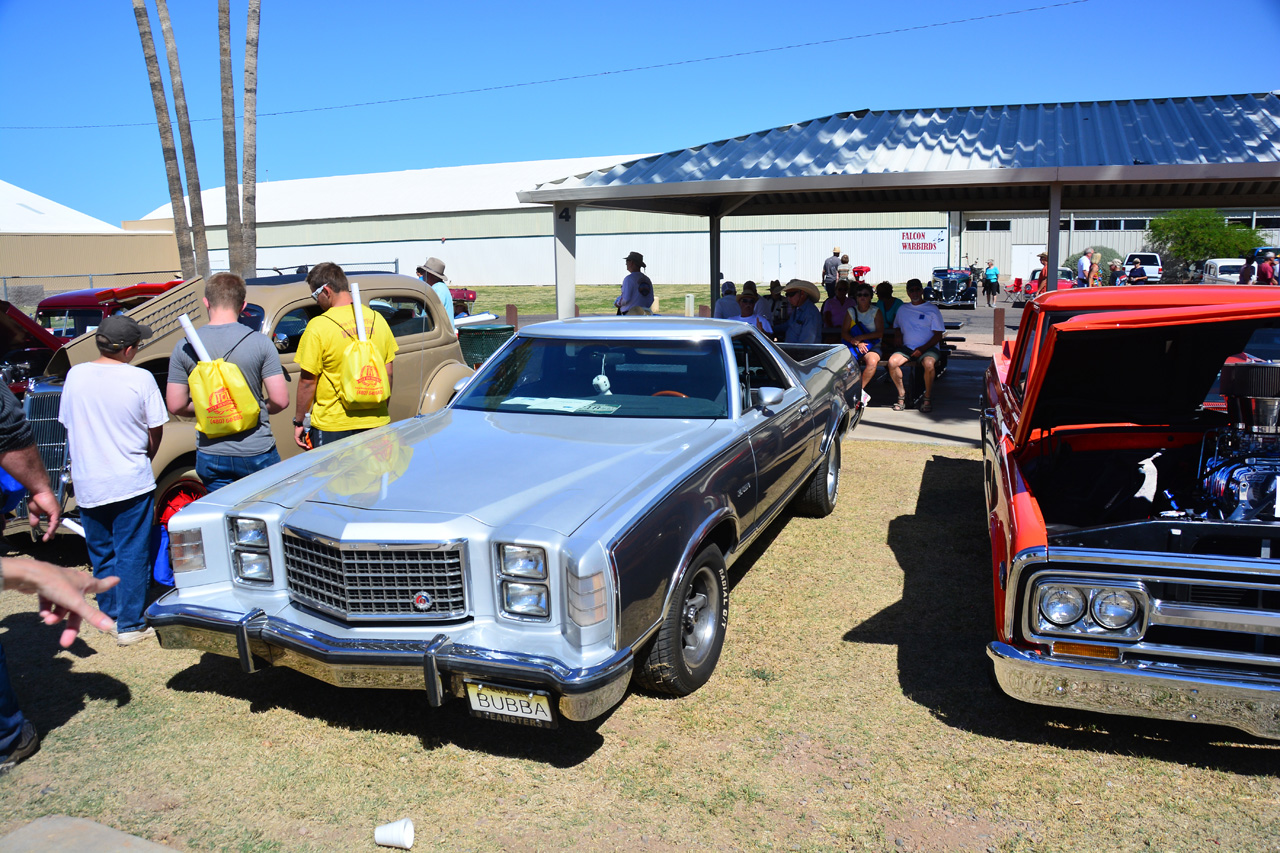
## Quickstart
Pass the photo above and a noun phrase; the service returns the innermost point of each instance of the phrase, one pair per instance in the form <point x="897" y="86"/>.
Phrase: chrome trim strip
<point x="369" y="545"/>
<point x="1164" y="561"/>
<point x="1020" y="561"/>
<point x="1166" y="692"/>
<point x="1215" y="618"/>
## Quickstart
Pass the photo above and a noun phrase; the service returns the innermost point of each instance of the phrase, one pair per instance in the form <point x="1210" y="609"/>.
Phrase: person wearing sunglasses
<point x="863" y="331"/>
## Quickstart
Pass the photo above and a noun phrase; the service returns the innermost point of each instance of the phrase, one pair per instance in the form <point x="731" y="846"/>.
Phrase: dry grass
<point x="850" y="711"/>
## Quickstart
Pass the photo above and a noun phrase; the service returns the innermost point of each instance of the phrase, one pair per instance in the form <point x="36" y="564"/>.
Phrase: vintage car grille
<point x="365" y="582"/>
<point x="950" y="288"/>
<point x="41" y="408"/>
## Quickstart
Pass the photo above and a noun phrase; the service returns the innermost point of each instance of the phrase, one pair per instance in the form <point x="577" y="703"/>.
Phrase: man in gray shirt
<point x="831" y="272"/>
<point x="224" y="459"/>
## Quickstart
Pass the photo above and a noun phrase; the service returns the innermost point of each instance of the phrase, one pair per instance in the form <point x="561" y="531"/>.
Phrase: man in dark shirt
<point x="1137" y="275"/>
<point x="831" y="272"/>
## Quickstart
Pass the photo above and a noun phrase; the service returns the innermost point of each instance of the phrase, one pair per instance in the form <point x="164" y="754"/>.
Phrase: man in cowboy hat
<point x="432" y="272"/>
<point x="637" y="289"/>
<point x="805" y="325"/>
<point x="1044" y="273"/>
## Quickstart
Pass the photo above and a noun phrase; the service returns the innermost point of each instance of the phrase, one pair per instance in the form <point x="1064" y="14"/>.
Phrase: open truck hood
<point x="18" y="331"/>
<point x="1148" y="367"/>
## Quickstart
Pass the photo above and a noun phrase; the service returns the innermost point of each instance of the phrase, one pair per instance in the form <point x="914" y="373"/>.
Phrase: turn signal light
<point x="1083" y="650"/>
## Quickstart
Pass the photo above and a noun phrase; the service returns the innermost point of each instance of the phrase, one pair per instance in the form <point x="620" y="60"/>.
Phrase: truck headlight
<point x="1113" y="608"/>
<point x="1061" y="605"/>
<point x="250" y="549"/>
<point x="186" y="550"/>
<point x="522" y="561"/>
<point x="524" y="599"/>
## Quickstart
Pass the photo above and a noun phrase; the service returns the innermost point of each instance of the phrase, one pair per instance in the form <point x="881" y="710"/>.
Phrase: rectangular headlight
<point x="522" y="561"/>
<point x="587" y="599"/>
<point x="253" y="566"/>
<point x="524" y="599"/>
<point x="248" y="532"/>
<point x="186" y="550"/>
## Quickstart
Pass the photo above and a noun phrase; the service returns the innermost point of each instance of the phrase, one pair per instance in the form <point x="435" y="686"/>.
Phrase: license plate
<point x="527" y="707"/>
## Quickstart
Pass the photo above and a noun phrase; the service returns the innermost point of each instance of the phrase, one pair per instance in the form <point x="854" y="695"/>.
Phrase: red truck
<point x="69" y="315"/>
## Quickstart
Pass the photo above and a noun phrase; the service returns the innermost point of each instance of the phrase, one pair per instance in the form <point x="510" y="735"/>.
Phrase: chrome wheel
<point x="698" y="618"/>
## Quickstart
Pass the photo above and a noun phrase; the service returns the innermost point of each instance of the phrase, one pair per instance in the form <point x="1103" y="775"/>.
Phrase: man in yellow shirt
<point x="320" y="358"/>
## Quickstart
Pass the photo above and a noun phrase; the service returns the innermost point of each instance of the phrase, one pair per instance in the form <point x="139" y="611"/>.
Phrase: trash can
<point x="480" y="342"/>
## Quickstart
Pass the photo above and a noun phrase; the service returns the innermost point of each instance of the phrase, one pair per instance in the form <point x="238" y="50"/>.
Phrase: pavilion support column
<point x="715" y="258"/>
<point x="1055" y="233"/>
<point x="566" y="238"/>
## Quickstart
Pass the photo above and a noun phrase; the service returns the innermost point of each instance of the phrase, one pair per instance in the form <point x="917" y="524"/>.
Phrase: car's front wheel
<point x="687" y="647"/>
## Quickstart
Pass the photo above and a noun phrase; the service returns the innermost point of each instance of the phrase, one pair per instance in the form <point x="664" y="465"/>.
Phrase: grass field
<point x="850" y="711"/>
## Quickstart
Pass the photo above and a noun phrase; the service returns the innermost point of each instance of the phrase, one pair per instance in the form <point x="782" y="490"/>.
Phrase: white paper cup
<point x="398" y="834"/>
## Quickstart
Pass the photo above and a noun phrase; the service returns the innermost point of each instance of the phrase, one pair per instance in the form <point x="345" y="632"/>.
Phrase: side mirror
<point x="770" y="396"/>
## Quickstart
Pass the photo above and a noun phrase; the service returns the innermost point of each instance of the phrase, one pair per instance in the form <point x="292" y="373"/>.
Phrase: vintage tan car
<point x="428" y="366"/>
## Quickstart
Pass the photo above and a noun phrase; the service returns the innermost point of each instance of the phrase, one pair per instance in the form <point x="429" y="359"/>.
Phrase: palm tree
<point x="182" y="231"/>
<point x="184" y="136"/>
<point x="250" y="224"/>
<point x="235" y="237"/>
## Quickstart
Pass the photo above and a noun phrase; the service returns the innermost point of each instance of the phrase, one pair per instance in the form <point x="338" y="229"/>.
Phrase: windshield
<point x="604" y="378"/>
<point x="1229" y="269"/>
<point x="70" y="323"/>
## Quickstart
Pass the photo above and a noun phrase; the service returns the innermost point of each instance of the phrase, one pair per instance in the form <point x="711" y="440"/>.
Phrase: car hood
<point x="18" y="331"/>
<point x="550" y="471"/>
<point x="1149" y="367"/>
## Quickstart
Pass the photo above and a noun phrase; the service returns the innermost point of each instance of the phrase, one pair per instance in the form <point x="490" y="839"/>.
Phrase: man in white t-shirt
<point x="114" y="415"/>
<point x="922" y="330"/>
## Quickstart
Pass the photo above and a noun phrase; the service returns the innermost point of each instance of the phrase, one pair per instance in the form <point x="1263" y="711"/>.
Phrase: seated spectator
<point x="863" y="331"/>
<point x="922" y="332"/>
<point x="726" y="307"/>
<point x="835" y="309"/>
<point x="747" y="312"/>
<point x="805" y="325"/>
<point x="888" y="305"/>
<point x="775" y="307"/>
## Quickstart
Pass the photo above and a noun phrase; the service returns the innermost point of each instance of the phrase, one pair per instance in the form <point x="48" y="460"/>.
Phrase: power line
<point x="593" y="75"/>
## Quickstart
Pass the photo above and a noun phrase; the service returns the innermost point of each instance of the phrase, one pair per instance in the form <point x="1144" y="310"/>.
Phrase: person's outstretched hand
<point x="61" y="592"/>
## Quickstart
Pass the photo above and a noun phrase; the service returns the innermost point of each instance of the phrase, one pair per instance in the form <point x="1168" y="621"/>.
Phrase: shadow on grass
<point x="403" y="712"/>
<point x="49" y="693"/>
<point x="944" y="621"/>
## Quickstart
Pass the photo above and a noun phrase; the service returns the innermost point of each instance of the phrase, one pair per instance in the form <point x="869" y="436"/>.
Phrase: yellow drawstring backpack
<point x="363" y="380"/>
<point x="224" y="403"/>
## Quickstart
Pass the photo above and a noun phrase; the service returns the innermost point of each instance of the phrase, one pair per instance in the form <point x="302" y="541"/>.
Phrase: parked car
<point x="951" y="287"/>
<point x="1222" y="270"/>
<point x="1066" y="279"/>
<point x="1150" y="262"/>
<point x="73" y="313"/>
<point x="1132" y="526"/>
<point x="27" y="348"/>
<point x="428" y="365"/>
<point x="567" y="519"/>
<point x="464" y="301"/>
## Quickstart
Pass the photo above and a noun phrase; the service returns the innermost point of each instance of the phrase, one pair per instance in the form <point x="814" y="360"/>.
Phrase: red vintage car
<point x="1131" y="526"/>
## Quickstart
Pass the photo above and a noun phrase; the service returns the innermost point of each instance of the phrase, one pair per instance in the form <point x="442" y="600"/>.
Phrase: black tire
<point x="818" y="497"/>
<point x="687" y="647"/>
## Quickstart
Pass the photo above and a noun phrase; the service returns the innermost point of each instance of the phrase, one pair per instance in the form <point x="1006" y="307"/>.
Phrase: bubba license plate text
<point x="529" y="708"/>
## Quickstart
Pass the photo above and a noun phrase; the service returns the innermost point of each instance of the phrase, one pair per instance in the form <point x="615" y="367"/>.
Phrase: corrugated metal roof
<point x="449" y="189"/>
<point x="916" y="152"/>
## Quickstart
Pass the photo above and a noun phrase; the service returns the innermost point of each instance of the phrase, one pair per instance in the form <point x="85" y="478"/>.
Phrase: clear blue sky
<point x="79" y="62"/>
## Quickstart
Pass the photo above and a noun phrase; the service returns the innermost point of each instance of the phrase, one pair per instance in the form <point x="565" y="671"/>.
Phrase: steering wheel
<point x="667" y="394"/>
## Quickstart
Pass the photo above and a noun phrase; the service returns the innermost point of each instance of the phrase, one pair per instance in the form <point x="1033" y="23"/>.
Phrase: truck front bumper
<point x="1159" y="691"/>
<point x="436" y="665"/>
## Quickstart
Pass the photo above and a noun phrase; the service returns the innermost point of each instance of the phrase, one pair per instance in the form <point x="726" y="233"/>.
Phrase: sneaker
<point x="28" y="745"/>
<point x="128" y="638"/>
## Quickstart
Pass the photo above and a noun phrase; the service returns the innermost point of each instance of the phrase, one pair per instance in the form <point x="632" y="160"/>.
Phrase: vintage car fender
<point x="438" y="390"/>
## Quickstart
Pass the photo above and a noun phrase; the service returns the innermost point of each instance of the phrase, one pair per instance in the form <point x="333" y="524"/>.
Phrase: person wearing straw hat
<point x="432" y="272"/>
<point x="114" y="416"/>
<point x="223" y="459"/>
<point x="805" y="325"/>
<point x="636" y="298"/>
<point x="319" y="356"/>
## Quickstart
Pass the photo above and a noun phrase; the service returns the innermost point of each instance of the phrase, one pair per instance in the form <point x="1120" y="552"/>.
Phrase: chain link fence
<point x="26" y="291"/>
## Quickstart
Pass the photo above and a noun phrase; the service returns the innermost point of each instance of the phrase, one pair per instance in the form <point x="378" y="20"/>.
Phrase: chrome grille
<point x="364" y="582"/>
<point x="41" y="409"/>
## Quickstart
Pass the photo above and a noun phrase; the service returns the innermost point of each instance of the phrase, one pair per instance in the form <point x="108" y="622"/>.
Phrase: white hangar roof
<point x="23" y="212"/>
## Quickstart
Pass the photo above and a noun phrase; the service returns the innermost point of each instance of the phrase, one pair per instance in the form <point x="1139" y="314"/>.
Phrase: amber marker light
<point x="1081" y="650"/>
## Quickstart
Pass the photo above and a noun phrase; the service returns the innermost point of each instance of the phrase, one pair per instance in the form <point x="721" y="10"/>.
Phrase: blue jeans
<point x="118" y="536"/>
<point x="217" y="471"/>
<point x="11" y="718"/>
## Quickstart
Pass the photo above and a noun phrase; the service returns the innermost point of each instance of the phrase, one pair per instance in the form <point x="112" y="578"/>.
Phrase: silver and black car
<point x="952" y="287"/>
<point x="567" y="519"/>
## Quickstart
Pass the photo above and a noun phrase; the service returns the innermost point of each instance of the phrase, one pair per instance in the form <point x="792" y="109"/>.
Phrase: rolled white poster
<point x="355" y="298"/>
<point x="196" y="343"/>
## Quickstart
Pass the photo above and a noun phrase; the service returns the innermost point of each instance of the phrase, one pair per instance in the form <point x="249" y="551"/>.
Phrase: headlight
<point x="1113" y="608"/>
<point x="253" y="566"/>
<point x="186" y="550"/>
<point x="1061" y="605"/>
<point x="524" y="599"/>
<point x="248" y="532"/>
<point x="521" y="561"/>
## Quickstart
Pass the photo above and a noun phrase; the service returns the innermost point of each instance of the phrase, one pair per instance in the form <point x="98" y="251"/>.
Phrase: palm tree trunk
<point x="250" y="229"/>
<point x="182" y="231"/>
<point x="184" y="136"/>
<point x="235" y="237"/>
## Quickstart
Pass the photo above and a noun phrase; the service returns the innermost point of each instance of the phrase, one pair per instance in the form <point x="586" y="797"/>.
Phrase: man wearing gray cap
<point x="1267" y="269"/>
<point x="114" y="415"/>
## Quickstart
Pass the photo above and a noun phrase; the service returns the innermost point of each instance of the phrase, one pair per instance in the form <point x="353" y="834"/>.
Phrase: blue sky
<point x="79" y="62"/>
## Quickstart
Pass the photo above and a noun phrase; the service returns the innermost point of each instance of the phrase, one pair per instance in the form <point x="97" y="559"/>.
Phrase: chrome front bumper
<point x="1162" y="692"/>
<point x="437" y="665"/>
